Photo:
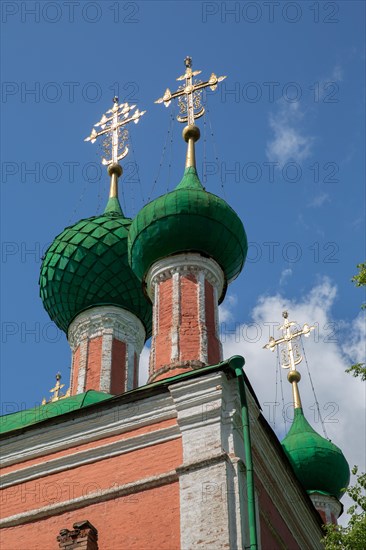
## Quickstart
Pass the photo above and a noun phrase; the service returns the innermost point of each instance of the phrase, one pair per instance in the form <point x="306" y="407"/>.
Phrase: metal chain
<point x="312" y="387"/>
<point x="171" y="120"/>
<point x="214" y="146"/>
<point x="282" y="396"/>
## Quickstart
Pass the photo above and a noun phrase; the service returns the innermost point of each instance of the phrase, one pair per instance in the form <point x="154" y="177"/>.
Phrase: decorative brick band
<point x="171" y="370"/>
<point x="328" y="507"/>
<point x="184" y="290"/>
<point x="185" y="264"/>
<point x="96" y="321"/>
<point x="106" y="343"/>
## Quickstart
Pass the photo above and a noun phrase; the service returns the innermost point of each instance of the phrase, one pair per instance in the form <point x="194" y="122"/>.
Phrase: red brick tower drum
<point x="186" y="247"/>
<point x="184" y="290"/>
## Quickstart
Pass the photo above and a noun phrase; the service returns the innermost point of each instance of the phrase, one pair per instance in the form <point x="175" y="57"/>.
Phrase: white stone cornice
<point x="202" y="326"/>
<point x="91" y="455"/>
<point x="328" y="504"/>
<point x="90" y="424"/>
<point x="185" y="264"/>
<point x="98" y="321"/>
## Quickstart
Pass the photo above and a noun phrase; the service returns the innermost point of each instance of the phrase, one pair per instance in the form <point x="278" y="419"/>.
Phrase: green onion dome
<point x="319" y="465"/>
<point x="87" y="266"/>
<point x="188" y="219"/>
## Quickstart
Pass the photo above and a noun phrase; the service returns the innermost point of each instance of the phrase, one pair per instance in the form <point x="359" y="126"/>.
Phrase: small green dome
<point x="87" y="265"/>
<point x="318" y="463"/>
<point x="188" y="219"/>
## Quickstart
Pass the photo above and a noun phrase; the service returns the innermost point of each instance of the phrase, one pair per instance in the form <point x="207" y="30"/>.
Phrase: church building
<point x="188" y="460"/>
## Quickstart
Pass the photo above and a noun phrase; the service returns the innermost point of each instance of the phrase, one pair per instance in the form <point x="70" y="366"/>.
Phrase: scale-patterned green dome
<point x="318" y="463"/>
<point x="87" y="266"/>
<point x="188" y="219"/>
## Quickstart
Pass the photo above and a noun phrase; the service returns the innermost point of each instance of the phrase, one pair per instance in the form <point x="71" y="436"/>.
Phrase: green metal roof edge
<point x="28" y="417"/>
<point x="311" y="491"/>
<point x="97" y="397"/>
<point x="238" y="359"/>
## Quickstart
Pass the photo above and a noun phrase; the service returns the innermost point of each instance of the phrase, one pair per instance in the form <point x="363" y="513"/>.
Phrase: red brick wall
<point x="273" y="529"/>
<point x="189" y="334"/>
<point x="148" y="520"/>
<point x="88" y="478"/>
<point x="162" y="341"/>
<point x="94" y="364"/>
<point x="118" y="374"/>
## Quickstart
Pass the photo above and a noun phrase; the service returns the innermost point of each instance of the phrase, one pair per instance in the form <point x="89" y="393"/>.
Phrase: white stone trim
<point x="184" y="264"/>
<point x="97" y="321"/>
<point x="155" y="326"/>
<point x="106" y="366"/>
<point x="83" y="361"/>
<point x="91" y="498"/>
<point x="86" y="426"/>
<point x="327" y="504"/>
<point x="201" y="305"/>
<point x="217" y="323"/>
<point x="80" y="458"/>
<point x="176" y="311"/>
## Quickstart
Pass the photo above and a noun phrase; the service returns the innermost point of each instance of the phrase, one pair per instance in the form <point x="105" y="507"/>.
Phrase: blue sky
<point x="287" y="152"/>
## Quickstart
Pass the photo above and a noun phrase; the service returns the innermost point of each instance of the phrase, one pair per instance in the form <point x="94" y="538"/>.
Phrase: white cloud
<point x="319" y="200"/>
<point x="286" y="273"/>
<point x="327" y="87"/>
<point x="226" y="308"/>
<point x="288" y="143"/>
<point x="337" y="73"/>
<point x="354" y="346"/>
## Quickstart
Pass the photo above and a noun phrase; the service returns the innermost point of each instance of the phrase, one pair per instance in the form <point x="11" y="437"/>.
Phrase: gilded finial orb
<point x="293" y="376"/>
<point x="191" y="131"/>
<point x="115" y="168"/>
<point x="188" y="62"/>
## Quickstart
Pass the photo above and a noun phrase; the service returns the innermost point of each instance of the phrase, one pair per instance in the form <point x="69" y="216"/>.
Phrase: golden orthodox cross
<point x="189" y="94"/>
<point x="290" y="354"/>
<point x="112" y="126"/>
<point x="56" y="390"/>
